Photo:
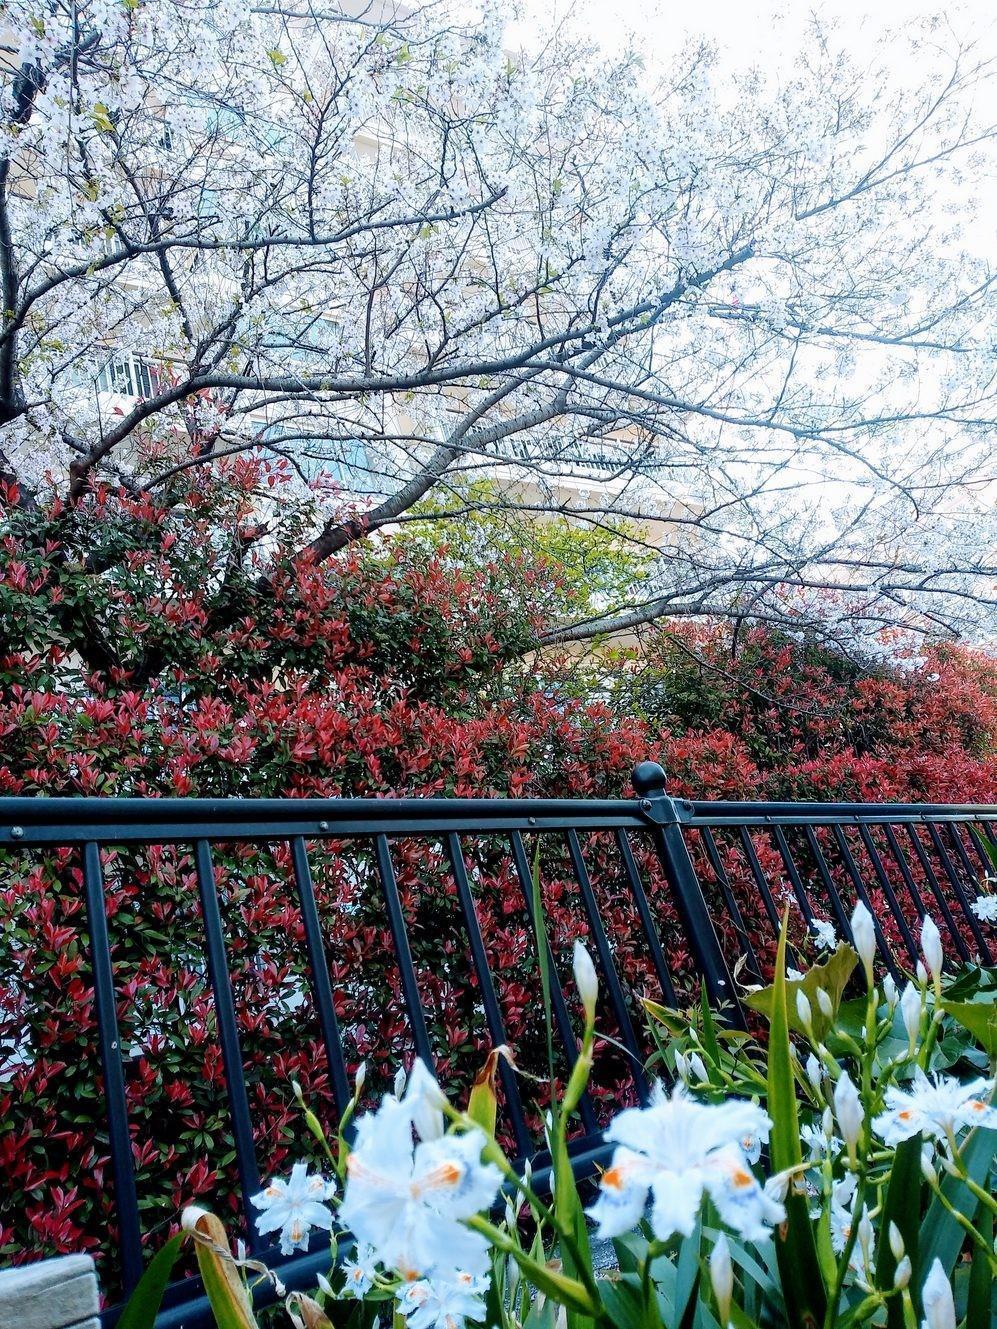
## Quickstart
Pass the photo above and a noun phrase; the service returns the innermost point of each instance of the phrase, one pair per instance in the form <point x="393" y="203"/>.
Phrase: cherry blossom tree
<point x="387" y="243"/>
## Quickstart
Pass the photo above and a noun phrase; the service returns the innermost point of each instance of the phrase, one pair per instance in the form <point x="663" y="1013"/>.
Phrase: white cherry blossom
<point x="216" y="191"/>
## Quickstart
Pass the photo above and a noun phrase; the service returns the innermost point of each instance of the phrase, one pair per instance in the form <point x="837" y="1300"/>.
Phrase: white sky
<point x="757" y="29"/>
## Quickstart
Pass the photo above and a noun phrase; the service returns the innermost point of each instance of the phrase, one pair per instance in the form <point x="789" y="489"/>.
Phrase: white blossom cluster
<point x="395" y="230"/>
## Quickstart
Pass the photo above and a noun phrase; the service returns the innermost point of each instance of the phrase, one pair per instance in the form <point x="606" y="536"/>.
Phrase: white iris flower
<point x="360" y="1272"/>
<point x="820" y="1144"/>
<point x="938" y="1107"/>
<point x="842" y="1196"/>
<point x="407" y="1200"/>
<point x="676" y="1150"/>
<point x="294" y="1207"/>
<point x="443" y="1304"/>
<point x="825" y="937"/>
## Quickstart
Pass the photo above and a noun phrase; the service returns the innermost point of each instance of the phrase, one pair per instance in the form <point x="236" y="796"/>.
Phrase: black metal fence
<point x="703" y="885"/>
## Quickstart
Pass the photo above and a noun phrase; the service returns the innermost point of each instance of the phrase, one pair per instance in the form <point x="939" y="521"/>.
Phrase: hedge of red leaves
<point x="212" y="667"/>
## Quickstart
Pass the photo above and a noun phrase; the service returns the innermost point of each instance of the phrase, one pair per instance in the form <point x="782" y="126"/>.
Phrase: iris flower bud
<point x="722" y="1277"/>
<point x="849" y="1111"/>
<point x="864" y="936"/>
<point x="586" y="981"/>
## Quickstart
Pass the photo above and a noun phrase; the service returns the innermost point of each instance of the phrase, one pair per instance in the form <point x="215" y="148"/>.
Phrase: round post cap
<point x="649" y="778"/>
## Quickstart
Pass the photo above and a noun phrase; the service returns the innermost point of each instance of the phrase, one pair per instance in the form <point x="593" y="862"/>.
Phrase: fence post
<point x="666" y="816"/>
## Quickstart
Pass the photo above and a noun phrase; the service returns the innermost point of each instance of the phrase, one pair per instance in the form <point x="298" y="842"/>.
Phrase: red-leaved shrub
<point x="175" y="650"/>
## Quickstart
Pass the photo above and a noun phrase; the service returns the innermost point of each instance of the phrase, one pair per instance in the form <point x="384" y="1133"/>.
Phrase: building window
<point x="342" y="460"/>
<point x="128" y="376"/>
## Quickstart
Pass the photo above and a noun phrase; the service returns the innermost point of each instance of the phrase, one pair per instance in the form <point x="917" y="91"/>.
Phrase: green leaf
<point x="623" y="1302"/>
<point x="941" y="1236"/>
<point x="802" y="1279"/>
<point x="565" y="1291"/>
<point x="903" y="1207"/>
<point x="142" y="1306"/>
<point x="832" y="976"/>
<point x="709" y="1029"/>
<point x="979" y="1299"/>
<point x="631" y="1250"/>
<point x="825" y="1246"/>
<point x="543" y="957"/>
<point x="979" y="1017"/>
<point x="673" y="1020"/>
<point x="494" y="1297"/>
<point x="740" y="1320"/>
<point x="543" y="1314"/>
<point x="571" y="1216"/>
<point x="692" y="1305"/>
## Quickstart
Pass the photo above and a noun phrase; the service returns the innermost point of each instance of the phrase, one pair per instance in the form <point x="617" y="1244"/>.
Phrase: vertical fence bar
<point x="489" y="999"/>
<point x="887" y="888"/>
<point x="986" y="862"/>
<point x="646" y="917"/>
<point x="755" y="868"/>
<point x="321" y="987"/>
<point x="943" y="905"/>
<point x="765" y="891"/>
<point x="959" y="889"/>
<point x="860" y="890"/>
<point x="403" y="953"/>
<point x="827" y="881"/>
<point x="900" y="858"/>
<point x="649" y="781"/>
<point x="730" y="900"/>
<point x="716" y="863"/>
<point x="122" y="1162"/>
<point x="561" y="1017"/>
<point x="795" y="880"/>
<point x="228" y="1032"/>
<point x="973" y="876"/>
<point x="605" y="951"/>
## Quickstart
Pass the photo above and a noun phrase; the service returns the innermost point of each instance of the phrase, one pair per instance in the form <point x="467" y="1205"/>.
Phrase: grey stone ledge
<point x="50" y="1294"/>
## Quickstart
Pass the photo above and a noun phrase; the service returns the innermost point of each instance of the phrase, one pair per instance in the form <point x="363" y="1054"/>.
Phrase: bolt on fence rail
<point x="668" y="893"/>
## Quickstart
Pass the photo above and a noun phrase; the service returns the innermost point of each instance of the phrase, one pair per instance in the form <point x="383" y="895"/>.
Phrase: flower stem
<point x="565" y="1291"/>
<point x="965" y="1224"/>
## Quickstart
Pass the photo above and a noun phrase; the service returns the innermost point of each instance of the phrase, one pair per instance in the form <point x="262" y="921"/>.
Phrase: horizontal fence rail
<point x="390" y="928"/>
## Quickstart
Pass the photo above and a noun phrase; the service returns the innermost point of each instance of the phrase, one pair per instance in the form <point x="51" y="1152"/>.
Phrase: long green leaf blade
<point x="979" y="1300"/>
<point x="902" y="1207"/>
<point x="803" y="1282"/>
<point x="143" y="1305"/>
<point x="942" y="1237"/>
